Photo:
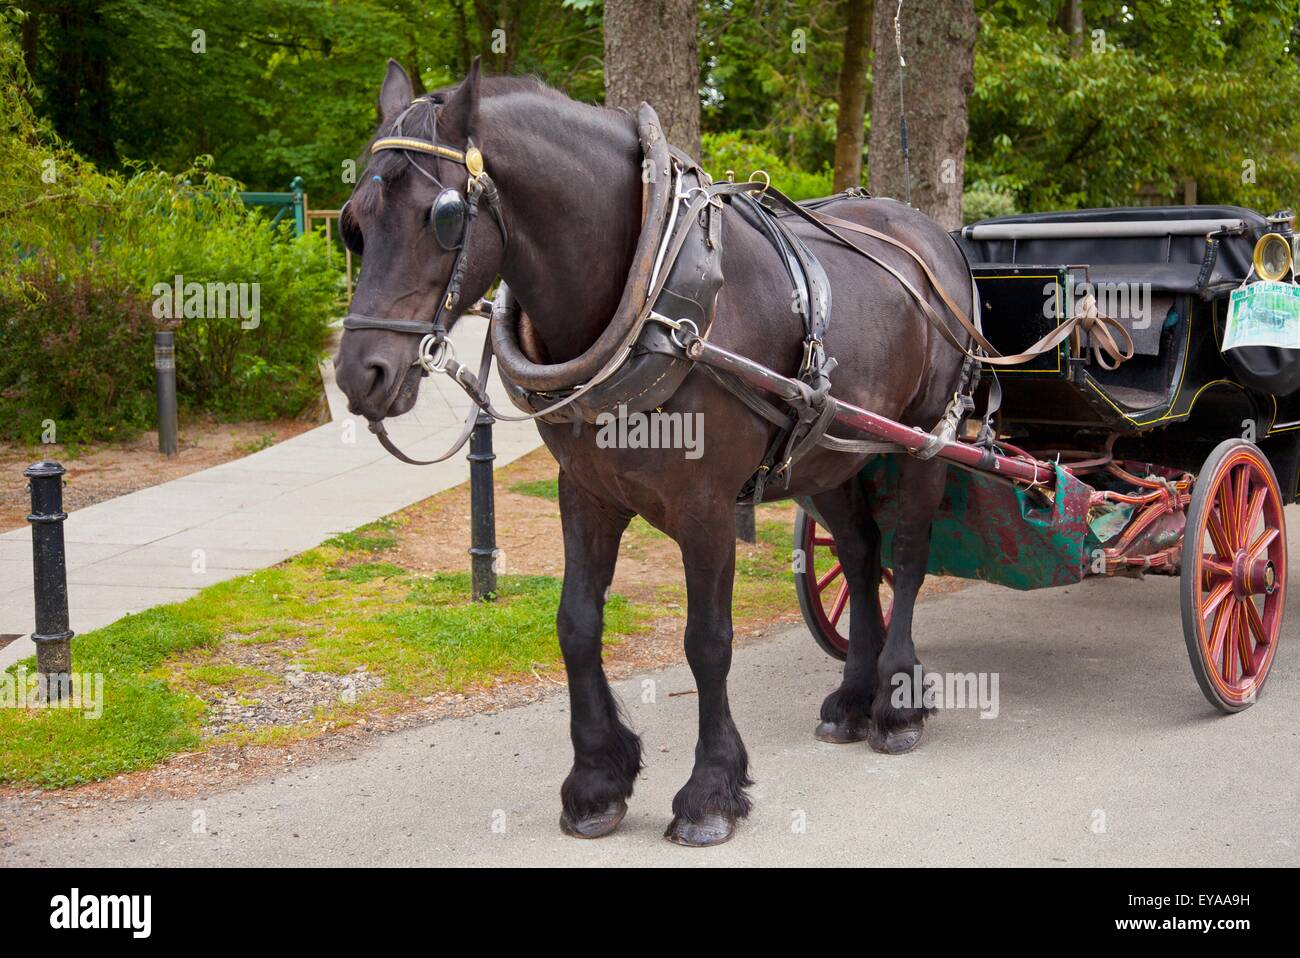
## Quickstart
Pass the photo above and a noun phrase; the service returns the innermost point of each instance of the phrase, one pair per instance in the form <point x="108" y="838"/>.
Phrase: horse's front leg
<point x="606" y="753"/>
<point x="706" y="808"/>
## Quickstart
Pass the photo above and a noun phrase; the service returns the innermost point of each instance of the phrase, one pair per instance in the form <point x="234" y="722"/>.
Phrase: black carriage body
<point x="1148" y="267"/>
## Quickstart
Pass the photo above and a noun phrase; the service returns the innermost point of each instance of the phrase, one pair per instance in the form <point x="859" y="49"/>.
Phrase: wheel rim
<point x="1241" y="576"/>
<point x="829" y="588"/>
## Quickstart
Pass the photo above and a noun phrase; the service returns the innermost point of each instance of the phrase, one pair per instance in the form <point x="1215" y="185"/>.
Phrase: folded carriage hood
<point x="1163" y="244"/>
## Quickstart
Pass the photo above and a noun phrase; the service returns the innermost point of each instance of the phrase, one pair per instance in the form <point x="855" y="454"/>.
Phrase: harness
<point x="660" y="330"/>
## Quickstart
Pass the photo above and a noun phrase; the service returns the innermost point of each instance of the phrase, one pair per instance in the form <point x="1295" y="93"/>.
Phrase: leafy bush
<point x="982" y="201"/>
<point x="727" y="151"/>
<point x="86" y="268"/>
<point x="258" y="366"/>
<point x="77" y="352"/>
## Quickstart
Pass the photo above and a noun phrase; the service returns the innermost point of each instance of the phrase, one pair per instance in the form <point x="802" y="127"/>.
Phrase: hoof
<point x="595" y="825"/>
<point x="895" y="742"/>
<point x="714" y="829"/>
<point x="839" y="733"/>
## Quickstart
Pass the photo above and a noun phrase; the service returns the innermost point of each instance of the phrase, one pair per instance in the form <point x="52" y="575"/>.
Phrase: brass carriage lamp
<point x="1277" y="251"/>
<point x="1273" y="257"/>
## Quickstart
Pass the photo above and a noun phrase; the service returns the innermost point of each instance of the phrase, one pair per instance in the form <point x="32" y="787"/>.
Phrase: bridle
<point x="452" y="217"/>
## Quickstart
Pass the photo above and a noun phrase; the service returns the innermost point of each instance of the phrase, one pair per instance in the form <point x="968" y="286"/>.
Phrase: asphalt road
<point x="1103" y="752"/>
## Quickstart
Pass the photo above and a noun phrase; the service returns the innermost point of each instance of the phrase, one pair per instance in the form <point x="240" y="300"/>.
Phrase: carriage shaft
<point x="912" y="438"/>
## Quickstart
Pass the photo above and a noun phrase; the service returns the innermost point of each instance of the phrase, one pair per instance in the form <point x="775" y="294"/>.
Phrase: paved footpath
<point x="1103" y="752"/>
<point x="140" y="550"/>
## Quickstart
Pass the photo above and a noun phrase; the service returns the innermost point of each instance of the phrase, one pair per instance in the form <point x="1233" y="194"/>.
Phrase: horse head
<point x="411" y="217"/>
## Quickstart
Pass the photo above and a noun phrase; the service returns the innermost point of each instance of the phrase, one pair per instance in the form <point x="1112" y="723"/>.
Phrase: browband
<point x="471" y="159"/>
<point x="422" y="146"/>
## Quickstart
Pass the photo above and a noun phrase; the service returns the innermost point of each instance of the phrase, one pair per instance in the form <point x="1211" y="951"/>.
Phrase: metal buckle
<point x="710" y="198"/>
<point x="809" y="345"/>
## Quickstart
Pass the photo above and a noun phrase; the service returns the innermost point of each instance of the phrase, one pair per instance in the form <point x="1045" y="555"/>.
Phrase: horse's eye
<point x="349" y="231"/>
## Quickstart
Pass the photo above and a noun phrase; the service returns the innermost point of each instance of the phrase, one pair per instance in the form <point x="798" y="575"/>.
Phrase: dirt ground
<point x="107" y="470"/>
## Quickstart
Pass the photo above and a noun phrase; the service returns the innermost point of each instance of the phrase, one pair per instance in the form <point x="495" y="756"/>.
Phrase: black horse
<point x="568" y="178"/>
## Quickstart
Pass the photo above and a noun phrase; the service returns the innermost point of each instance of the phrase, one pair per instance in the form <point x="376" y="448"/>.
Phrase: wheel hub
<point x="1252" y="578"/>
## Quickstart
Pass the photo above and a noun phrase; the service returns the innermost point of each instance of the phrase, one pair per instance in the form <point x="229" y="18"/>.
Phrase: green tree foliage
<point x="1160" y="91"/>
<point x="276" y="88"/>
<point x="1168" y="89"/>
<point x="770" y="73"/>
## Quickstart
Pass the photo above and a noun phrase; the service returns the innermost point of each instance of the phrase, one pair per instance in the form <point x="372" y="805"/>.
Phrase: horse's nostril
<point x="377" y="373"/>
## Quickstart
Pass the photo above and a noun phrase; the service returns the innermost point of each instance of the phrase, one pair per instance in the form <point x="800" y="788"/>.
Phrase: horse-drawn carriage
<point x="1163" y="456"/>
<point x="1177" y="460"/>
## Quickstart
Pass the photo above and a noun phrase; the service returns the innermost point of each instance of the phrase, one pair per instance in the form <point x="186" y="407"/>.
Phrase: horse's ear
<point x="396" y="93"/>
<point x="459" y="115"/>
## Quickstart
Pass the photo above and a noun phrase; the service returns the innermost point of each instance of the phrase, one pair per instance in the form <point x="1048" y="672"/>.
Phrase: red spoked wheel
<point x="823" y="590"/>
<point x="1234" y="574"/>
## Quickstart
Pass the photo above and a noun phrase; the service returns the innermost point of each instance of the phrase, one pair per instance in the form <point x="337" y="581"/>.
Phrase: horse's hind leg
<point x="896" y="728"/>
<point x="706" y="808"/>
<point x="606" y="754"/>
<point x="846" y="712"/>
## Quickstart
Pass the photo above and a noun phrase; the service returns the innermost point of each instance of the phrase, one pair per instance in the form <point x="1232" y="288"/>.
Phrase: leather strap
<point x="359" y="321"/>
<point x="1086" y="319"/>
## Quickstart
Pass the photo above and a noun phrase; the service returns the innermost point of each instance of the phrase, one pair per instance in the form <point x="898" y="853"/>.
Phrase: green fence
<point x="285" y="204"/>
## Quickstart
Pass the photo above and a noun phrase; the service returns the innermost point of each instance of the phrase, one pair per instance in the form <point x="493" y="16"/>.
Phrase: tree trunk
<point x="853" y="94"/>
<point x="80" y="92"/>
<point x="31" y="42"/>
<point x="650" y="55"/>
<point x="939" y="47"/>
<point x="1071" y="21"/>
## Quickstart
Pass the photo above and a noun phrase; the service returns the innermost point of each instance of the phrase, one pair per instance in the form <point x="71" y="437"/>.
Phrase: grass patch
<point x="419" y="634"/>
<point x="265" y="441"/>
<point x="143" y="720"/>
<point x="372" y="537"/>
<point x="365" y="572"/>
<point x="541" y="488"/>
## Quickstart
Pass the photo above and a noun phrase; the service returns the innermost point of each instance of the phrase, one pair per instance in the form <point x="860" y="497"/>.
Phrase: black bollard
<point x="164" y="366"/>
<point x="482" y="507"/>
<point x="53" y="638"/>
<point x="745" y="530"/>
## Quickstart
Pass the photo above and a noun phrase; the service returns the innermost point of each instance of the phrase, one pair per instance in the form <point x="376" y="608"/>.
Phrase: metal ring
<point x="695" y="331"/>
<point x="435" y="353"/>
<point x="767" y="180"/>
